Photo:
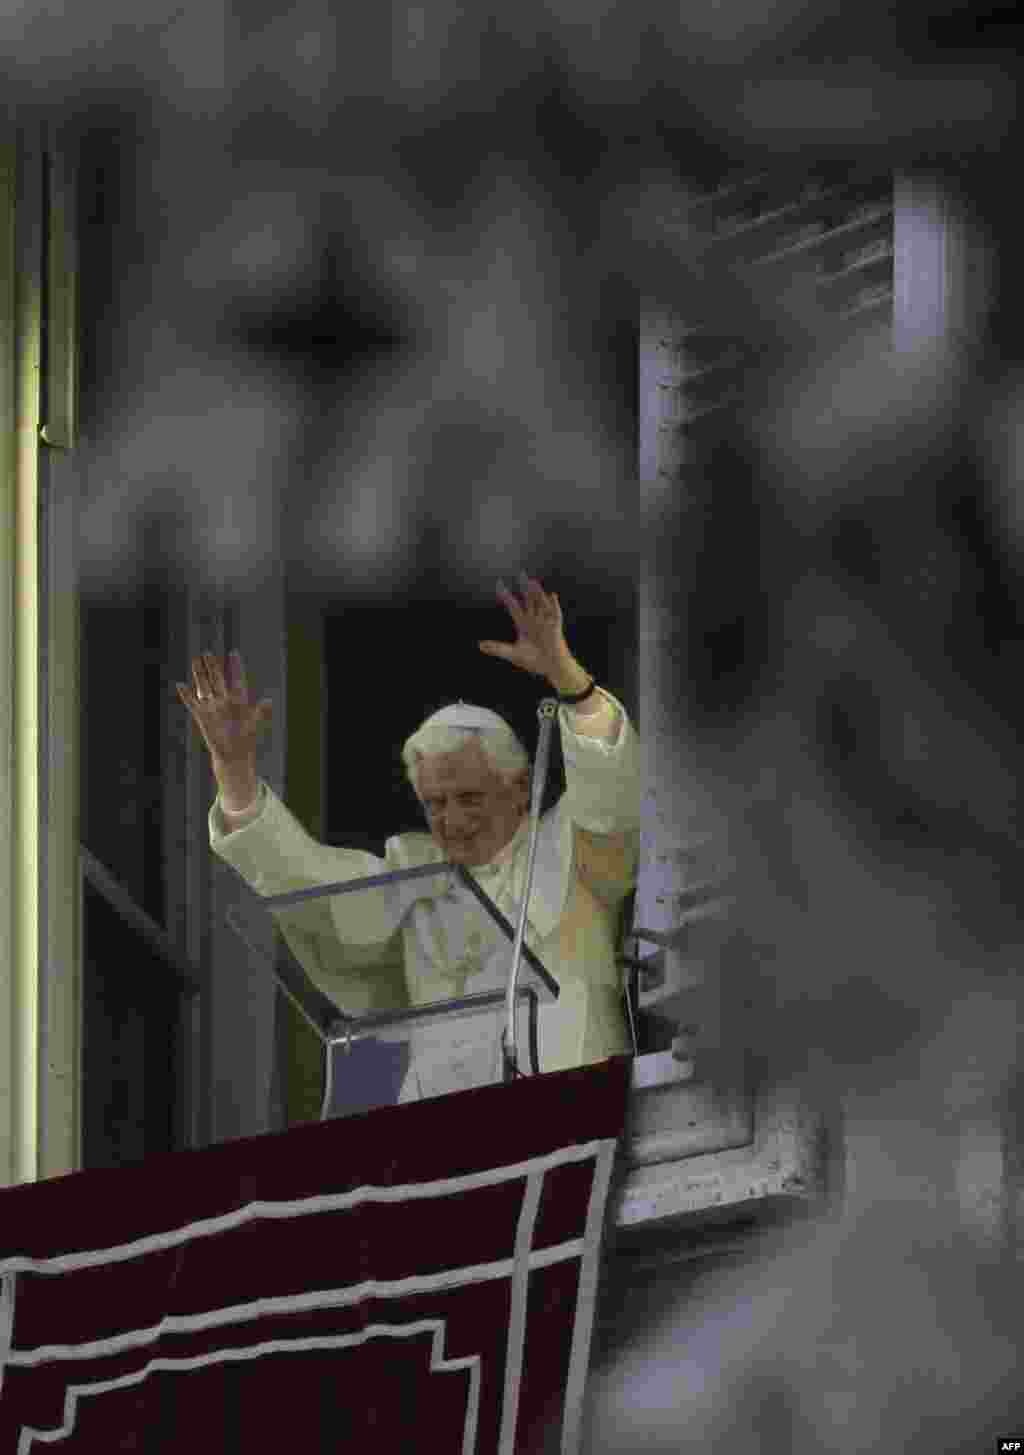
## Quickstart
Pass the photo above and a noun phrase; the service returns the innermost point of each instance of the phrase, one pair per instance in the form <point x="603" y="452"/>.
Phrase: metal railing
<point x="188" y="975"/>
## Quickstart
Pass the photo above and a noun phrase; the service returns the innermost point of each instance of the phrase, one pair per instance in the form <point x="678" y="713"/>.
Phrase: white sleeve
<point x="231" y="820"/>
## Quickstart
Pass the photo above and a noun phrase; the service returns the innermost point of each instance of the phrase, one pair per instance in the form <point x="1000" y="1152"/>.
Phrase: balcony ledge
<point x="703" y="1150"/>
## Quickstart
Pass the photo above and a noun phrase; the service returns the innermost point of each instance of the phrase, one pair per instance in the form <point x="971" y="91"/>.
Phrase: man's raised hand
<point x="228" y="722"/>
<point x="540" y="647"/>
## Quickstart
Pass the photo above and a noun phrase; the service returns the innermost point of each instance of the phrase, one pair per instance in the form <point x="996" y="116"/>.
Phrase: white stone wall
<point x="682" y="841"/>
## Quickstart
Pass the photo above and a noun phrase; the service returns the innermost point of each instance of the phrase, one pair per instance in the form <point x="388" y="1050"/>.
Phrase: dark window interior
<point x="130" y="1042"/>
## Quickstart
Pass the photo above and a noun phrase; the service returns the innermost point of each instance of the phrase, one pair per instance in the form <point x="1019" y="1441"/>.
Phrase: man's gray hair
<point x="500" y="743"/>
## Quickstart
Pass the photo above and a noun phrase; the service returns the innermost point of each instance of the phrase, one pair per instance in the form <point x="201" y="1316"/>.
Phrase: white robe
<point x="428" y="939"/>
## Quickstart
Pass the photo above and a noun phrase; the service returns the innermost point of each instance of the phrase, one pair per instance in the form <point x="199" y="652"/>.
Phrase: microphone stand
<point x="546" y="711"/>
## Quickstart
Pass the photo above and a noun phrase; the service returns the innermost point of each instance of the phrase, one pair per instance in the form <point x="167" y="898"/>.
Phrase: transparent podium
<point x="469" y="1039"/>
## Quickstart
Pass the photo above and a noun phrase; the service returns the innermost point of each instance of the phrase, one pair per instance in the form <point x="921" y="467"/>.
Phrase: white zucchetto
<point x="465" y="715"/>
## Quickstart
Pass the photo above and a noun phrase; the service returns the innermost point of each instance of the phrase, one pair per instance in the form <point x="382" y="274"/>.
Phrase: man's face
<point x="472" y="814"/>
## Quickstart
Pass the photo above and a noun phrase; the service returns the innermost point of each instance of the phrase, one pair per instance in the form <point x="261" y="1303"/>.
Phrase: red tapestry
<point x="419" y="1277"/>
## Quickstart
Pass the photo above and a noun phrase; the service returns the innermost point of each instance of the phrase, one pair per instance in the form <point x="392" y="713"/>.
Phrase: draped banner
<point x="417" y="1277"/>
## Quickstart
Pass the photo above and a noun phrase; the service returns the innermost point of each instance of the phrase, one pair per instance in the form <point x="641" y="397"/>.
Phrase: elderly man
<point x="425" y="940"/>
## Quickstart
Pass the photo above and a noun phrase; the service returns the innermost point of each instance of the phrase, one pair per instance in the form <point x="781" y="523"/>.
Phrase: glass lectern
<point x="444" y="1045"/>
